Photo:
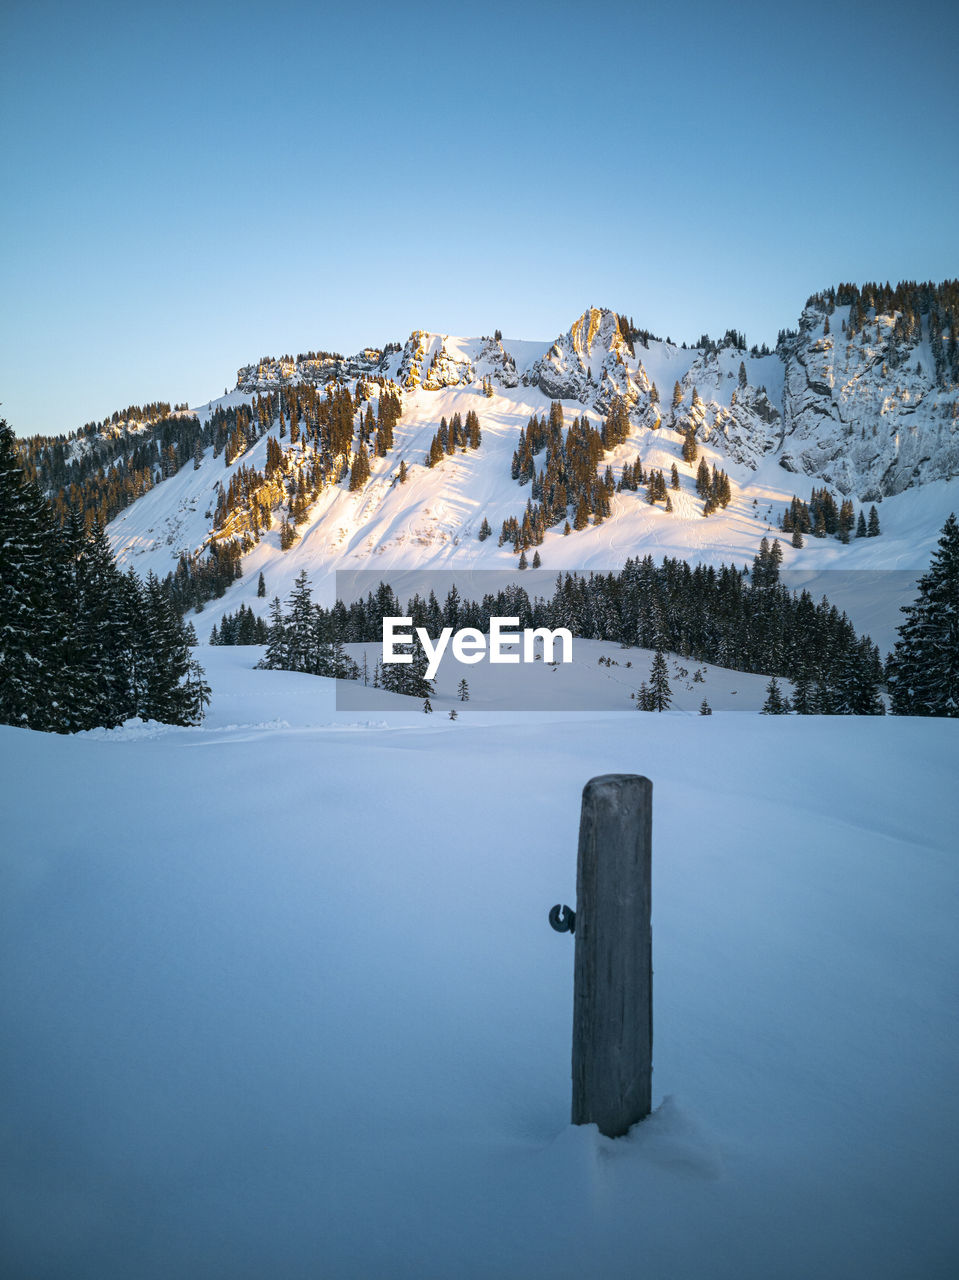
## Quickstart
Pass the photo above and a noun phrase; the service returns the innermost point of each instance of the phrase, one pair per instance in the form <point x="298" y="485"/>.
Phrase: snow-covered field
<point x="279" y="996"/>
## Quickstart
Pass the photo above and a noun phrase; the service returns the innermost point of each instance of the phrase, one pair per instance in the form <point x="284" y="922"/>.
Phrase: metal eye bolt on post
<point x="613" y="973"/>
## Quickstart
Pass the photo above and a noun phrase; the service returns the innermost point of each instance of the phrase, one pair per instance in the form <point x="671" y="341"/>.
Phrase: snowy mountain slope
<point x="816" y="411"/>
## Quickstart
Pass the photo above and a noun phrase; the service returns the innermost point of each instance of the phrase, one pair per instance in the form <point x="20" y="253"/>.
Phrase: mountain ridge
<point x="858" y="398"/>
<point x="814" y="392"/>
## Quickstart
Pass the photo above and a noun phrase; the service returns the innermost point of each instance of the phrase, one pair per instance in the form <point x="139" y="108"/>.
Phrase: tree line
<point x="739" y="619"/>
<point x="823" y="517"/>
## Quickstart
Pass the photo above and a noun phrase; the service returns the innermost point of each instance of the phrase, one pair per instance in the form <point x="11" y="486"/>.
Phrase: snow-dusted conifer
<point x="275" y="657"/>
<point x="923" y="673"/>
<point x="775" y="704"/>
<point x="31" y="628"/>
<point x="660" y="695"/>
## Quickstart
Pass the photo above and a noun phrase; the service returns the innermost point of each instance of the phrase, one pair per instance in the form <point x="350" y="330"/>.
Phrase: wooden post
<point x="613" y="982"/>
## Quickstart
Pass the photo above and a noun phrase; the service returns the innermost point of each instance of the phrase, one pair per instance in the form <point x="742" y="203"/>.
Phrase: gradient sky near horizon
<point x="189" y="187"/>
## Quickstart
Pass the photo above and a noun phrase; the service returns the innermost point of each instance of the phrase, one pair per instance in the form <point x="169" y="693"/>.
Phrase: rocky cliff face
<point x="591" y="363"/>
<point x="269" y="374"/>
<point x="433" y="361"/>
<point x="496" y="362"/>
<point x="865" y="413"/>
<point x="447" y="368"/>
<point x="410" y="372"/>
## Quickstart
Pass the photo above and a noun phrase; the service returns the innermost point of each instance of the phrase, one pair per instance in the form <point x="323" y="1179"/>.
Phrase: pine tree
<point x="859" y="679"/>
<point x="775" y="704"/>
<point x="923" y="670"/>
<point x="660" y="695"/>
<point x="873" y="525"/>
<point x="803" y="700"/>
<point x="861" y="525"/>
<point x="453" y="713"/>
<point x="32" y="632"/>
<point x="410" y="678"/>
<point x="196" y="694"/>
<point x="463" y="690"/>
<point x="275" y="657"/>
<point x="427" y="706"/>
<point x="103" y="630"/>
<point x="360" y="470"/>
<point x="765" y="572"/>
<point x="165" y="661"/>
<point x="847" y="520"/>
<point x="705" y="709"/>
<point x="261" y="585"/>
<point x="299" y="627"/>
<point x="288" y="534"/>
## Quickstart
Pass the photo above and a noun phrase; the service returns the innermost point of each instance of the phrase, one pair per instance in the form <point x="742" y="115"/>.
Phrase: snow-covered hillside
<point x="821" y="410"/>
<point x="280" y="997"/>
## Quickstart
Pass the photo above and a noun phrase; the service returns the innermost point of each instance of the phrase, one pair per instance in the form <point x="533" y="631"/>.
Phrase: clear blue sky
<point x="188" y="187"/>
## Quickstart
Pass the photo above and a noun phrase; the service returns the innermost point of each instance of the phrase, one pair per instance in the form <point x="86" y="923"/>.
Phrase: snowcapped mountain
<point x="864" y="415"/>
<point x="855" y="400"/>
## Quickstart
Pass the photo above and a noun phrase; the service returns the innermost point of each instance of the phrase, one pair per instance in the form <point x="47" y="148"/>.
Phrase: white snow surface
<point x="280" y="998"/>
